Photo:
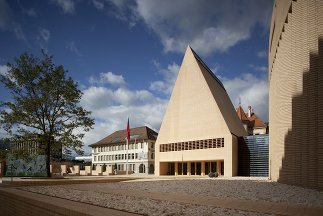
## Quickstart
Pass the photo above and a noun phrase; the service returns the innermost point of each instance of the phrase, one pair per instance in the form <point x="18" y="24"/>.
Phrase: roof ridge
<point x="197" y="57"/>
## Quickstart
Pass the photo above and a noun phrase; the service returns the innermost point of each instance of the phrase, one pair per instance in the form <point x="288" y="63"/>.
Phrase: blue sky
<point x="125" y="54"/>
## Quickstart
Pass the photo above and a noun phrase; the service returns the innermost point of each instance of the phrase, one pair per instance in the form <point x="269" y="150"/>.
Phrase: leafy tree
<point x="45" y="103"/>
<point x="4" y="147"/>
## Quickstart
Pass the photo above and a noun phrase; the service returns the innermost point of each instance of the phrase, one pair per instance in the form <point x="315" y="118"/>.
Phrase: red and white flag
<point x="128" y="131"/>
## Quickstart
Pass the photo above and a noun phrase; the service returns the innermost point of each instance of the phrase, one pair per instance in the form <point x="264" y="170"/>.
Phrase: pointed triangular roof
<point x="241" y="114"/>
<point x="199" y="107"/>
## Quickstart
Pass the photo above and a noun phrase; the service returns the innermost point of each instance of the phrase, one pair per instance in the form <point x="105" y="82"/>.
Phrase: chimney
<point x="249" y="111"/>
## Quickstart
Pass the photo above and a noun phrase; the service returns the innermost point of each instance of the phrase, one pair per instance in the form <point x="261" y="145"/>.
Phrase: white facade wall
<point x="141" y="156"/>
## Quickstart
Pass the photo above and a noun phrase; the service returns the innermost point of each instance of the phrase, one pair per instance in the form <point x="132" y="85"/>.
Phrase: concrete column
<point x="77" y="170"/>
<point x="188" y="168"/>
<point x="99" y="170"/>
<point x="203" y="168"/>
<point x="210" y="165"/>
<point x="176" y="168"/>
<point x="88" y="170"/>
<point x="63" y="170"/>
<point x="218" y="167"/>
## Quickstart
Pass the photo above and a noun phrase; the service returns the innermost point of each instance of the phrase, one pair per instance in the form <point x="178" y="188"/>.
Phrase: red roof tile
<point x="139" y="133"/>
<point x="241" y="114"/>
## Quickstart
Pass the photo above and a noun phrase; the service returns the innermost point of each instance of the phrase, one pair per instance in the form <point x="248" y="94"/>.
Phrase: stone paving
<point x="245" y="205"/>
<point x="262" y="207"/>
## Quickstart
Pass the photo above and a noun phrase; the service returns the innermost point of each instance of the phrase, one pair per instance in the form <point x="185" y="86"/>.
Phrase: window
<point x="136" y="156"/>
<point x="94" y="159"/>
<point x="133" y="156"/>
<point x="152" y="155"/>
<point x="141" y="145"/>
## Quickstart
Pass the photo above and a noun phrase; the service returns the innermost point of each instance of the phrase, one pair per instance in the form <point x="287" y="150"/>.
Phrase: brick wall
<point x="296" y="93"/>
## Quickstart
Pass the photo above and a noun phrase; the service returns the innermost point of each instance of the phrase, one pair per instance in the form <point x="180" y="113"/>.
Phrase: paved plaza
<point x="159" y="196"/>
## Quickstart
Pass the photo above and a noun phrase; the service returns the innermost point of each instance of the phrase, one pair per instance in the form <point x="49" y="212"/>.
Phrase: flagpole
<point x="127" y="144"/>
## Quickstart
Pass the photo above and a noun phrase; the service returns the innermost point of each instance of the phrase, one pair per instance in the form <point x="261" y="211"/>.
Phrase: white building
<point x="112" y="152"/>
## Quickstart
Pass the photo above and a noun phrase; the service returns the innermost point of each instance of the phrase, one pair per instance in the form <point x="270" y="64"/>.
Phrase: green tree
<point x="44" y="102"/>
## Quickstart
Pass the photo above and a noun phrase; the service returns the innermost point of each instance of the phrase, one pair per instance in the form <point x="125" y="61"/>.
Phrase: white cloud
<point x="111" y="108"/>
<point x="30" y="12"/>
<point x="262" y="54"/>
<point x="4" y="70"/>
<point x="44" y="34"/>
<point x="112" y="78"/>
<point x="208" y="26"/>
<point x="66" y="5"/>
<point x="263" y="69"/>
<point x="4" y="14"/>
<point x="20" y="34"/>
<point x="108" y="77"/>
<point x="73" y="48"/>
<point x="98" y="4"/>
<point x="251" y="90"/>
<point x="169" y="76"/>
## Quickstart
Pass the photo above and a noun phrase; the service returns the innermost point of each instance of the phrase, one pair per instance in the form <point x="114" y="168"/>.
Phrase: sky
<point x="126" y="54"/>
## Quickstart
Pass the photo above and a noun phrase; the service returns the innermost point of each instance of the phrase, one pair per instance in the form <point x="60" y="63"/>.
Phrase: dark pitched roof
<point x="207" y="68"/>
<point x="139" y="133"/>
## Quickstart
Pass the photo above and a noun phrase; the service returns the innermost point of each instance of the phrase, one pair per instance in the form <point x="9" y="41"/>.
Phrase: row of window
<point x="120" y="157"/>
<point x="192" y="145"/>
<point x="121" y="147"/>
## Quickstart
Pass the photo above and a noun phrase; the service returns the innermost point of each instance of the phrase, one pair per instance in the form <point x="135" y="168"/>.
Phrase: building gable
<point x="199" y="107"/>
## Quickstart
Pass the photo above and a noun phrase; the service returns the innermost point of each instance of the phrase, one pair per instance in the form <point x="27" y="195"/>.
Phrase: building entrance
<point x="182" y="168"/>
<point x="195" y="168"/>
<point x="171" y="169"/>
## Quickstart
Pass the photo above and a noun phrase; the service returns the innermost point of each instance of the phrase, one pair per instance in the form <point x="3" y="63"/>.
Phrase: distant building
<point x="83" y="158"/>
<point x="112" y="152"/>
<point x="36" y="146"/>
<point x="200" y="129"/>
<point x="295" y="65"/>
<point x="251" y="122"/>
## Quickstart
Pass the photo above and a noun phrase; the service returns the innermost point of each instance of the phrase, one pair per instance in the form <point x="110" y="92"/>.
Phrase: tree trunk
<point x="48" y="140"/>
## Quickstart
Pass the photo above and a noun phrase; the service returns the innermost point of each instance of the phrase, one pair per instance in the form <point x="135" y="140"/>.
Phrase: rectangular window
<point x="94" y="159"/>
<point x="136" y="156"/>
